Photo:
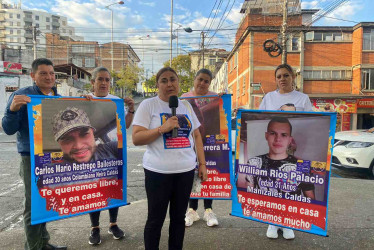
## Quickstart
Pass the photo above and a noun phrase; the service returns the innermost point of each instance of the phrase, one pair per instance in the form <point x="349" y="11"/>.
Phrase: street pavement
<point x="350" y="226"/>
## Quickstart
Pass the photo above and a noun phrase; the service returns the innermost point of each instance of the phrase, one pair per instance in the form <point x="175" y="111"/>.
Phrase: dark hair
<point x="205" y="71"/>
<point x="284" y="66"/>
<point x="164" y="69"/>
<point x="97" y="70"/>
<point x="40" y="61"/>
<point x="280" y="120"/>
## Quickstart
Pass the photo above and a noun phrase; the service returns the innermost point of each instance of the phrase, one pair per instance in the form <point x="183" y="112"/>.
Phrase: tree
<point x="151" y="82"/>
<point x="127" y="78"/>
<point x="182" y="65"/>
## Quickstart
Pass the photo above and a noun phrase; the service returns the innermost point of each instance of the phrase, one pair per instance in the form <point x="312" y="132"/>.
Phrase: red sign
<point x="335" y="105"/>
<point x="9" y="67"/>
<point x="365" y="103"/>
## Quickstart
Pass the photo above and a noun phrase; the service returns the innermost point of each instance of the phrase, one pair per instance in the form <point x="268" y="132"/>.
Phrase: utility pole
<point x="283" y="31"/>
<point x="171" y="33"/>
<point x="202" y="45"/>
<point x="34" y="40"/>
<point x="67" y="50"/>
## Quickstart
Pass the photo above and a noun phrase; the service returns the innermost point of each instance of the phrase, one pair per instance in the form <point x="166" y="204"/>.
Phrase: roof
<point x="71" y="69"/>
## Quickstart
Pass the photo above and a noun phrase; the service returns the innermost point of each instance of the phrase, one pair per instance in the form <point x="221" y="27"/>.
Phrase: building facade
<point x="213" y="59"/>
<point x="19" y="28"/>
<point x="89" y="54"/>
<point x="334" y="65"/>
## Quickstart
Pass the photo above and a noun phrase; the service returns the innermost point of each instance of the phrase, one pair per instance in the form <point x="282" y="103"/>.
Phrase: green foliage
<point x="151" y="82"/>
<point x="182" y="65"/>
<point x="88" y="87"/>
<point x="127" y="78"/>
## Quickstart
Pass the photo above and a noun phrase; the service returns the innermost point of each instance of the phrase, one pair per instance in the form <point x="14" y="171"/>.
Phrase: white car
<point x="354" y="149"/>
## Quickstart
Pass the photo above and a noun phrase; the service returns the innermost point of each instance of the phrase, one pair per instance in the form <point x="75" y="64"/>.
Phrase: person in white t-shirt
<point x="168" y="162"/>
<point x="101" y="85"/>
<point x="285" y="98"/>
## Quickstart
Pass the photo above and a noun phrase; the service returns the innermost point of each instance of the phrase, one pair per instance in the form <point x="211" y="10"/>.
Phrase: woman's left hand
<point x="203" y="174"/>
<point x="88" y="97"/>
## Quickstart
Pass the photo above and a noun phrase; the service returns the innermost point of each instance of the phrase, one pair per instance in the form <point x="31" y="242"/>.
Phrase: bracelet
<point x="132" y="112"/>
<point x="202" y="164"/>
<point x="159" y="131"/>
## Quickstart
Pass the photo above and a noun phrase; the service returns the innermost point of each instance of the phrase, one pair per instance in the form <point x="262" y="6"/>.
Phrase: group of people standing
<point x="169" y="172"/>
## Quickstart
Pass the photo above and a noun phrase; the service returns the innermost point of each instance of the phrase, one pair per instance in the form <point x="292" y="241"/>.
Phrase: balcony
<point x="55" y="24"/>
<point x="56" y="31"/>
<point x="27" y="19"/>
<point x="28" y="35"/>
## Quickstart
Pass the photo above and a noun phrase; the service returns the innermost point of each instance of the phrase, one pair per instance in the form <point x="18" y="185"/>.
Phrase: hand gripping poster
<point x="282" y="168"/>
<point x="78" y="157"/>
<point x="214" y="114"/>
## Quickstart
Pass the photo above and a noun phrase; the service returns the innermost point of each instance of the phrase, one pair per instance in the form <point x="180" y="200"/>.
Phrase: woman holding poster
<point x="168" y="162"/>
<point x="288" y="99"/>
<point x="202" y="82"/>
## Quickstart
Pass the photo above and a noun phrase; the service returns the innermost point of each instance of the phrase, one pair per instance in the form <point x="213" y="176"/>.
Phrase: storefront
<point x="365" y="113"/>
<point x="353" y="113"/>
<point x="9" y="81"/>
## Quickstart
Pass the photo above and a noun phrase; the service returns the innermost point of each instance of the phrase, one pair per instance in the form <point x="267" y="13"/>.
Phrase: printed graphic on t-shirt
<point x="181" y="141"/>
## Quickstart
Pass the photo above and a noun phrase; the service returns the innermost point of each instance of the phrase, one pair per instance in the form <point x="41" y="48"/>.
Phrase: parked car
<point x="354" y="149"/>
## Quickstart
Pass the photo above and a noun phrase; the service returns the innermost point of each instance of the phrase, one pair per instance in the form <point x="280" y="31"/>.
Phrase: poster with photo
<point x="78" y="156"/>
<point x="214" y="114"/>
<point x="282" y="168"/>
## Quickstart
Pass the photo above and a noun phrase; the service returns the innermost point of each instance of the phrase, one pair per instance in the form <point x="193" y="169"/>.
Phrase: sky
<point x="145" y="24"/>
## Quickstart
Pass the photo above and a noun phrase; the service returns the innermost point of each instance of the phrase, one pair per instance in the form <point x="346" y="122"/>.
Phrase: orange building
<point x="334" y="65"/>
<point x="89" y="54"/>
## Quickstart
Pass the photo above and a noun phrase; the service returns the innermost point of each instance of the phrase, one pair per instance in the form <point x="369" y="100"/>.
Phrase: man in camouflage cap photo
<point x="74" y="133"/>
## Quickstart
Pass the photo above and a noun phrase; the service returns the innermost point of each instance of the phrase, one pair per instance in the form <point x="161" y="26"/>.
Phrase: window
<point x="28" y="16"/>
<point x="327" y="74"/>
<point x="295" y="44"/>
<point x="212" y="61"/>
<point x="368" y="43"/>
<point x="47" y="19"/>
<point x="64" y="23"/>
<point x="18" y="16"/>
<point x="367" y="80"/>
<point x="37" y="18"/>
<point x="18" y="32"/>
<point x="19" y="39"/>
<point x="18" y="24"/>
<point x="83" y="48"/>
<point x="11" y="39"/>
<point x="48" y="27"/>
<point x="10" y="15"/>
<point x="328" y="36"/>
<point x="10" y="23"/>
<point x="89" y="62"/>
<point x="77" y="62"/>
<point x="10" y="31"/>
<point x="37" y="25"/>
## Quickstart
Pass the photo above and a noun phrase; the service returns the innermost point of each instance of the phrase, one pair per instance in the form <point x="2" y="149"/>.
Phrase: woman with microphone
<point x="168" y="162"/>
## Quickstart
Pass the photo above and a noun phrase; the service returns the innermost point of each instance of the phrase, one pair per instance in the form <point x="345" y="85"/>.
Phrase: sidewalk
<point x="351" y="226"/>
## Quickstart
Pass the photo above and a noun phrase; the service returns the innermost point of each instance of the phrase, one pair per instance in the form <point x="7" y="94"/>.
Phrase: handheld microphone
<point x="173" y="104"/>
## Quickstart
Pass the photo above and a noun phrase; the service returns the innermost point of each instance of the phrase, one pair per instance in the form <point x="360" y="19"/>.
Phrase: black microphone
<point x="173" y="104"/>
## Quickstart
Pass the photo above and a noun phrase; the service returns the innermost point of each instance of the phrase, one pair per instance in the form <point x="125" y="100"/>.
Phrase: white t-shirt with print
<point x="109" y="96"/>
<point x="275" y="100"/>
<point x="157" y="158"/>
